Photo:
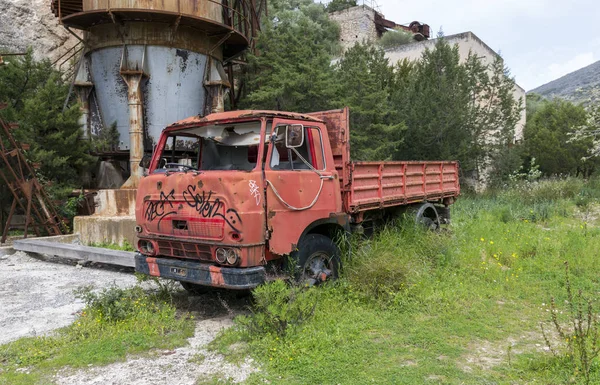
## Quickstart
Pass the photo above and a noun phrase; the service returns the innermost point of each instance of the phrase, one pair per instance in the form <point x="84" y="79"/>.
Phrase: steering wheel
<point x="181" y="167"/>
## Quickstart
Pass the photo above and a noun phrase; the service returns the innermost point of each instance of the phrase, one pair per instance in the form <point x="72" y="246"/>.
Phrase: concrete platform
<point x="105" y="230"/>
<point x="76" y="252"/>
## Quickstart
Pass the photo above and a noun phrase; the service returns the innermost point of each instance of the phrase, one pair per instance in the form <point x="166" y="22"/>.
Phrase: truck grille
<point x="206" y="228"/>
<point x="184" y="250"/>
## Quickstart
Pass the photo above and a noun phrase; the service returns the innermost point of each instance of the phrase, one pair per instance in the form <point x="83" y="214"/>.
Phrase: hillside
<point x="30" y="23"/>
<point x="581" y="86"/>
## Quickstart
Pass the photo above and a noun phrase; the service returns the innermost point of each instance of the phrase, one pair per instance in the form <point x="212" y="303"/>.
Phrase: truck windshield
<point x="218" y="147"/>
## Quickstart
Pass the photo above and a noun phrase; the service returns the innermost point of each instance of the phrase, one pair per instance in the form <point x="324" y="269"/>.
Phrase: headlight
<point x="146" y="247"/>
<point x="232" y="257"/>
<point x="221" y="255"/>
<point x="227" y="255"/>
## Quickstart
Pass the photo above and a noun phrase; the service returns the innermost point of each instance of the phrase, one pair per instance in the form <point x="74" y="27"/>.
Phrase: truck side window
<point x="311" y="150"/>
<point x="314" y="136"/>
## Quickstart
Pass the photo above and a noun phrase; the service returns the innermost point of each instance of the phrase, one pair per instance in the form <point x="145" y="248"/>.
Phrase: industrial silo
<point x="148" y="63"/>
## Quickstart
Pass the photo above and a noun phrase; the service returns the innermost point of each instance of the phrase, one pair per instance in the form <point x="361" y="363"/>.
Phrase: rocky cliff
<point x="30" y="23"/>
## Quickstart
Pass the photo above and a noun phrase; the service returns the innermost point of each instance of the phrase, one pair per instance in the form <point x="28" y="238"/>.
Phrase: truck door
<point x="301" y="187"/>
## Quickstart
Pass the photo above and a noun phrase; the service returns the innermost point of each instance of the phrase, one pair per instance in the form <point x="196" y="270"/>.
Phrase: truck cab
<point x="231" y="194"/>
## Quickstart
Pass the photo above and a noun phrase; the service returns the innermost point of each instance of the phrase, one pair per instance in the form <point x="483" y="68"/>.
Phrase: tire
<point x="317" y="260"/>
<point x="426" y="217"/>
<point x="195" y="289"/>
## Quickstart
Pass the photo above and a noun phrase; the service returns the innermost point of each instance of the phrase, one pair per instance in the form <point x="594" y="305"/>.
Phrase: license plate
<point x="179" y="271"/>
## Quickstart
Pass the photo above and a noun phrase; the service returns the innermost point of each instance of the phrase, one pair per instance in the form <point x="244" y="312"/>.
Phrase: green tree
<point x="340" y="5"/>
<point x="293" y="69"/>
<point x="35" y="94"/>
<point x="460" y="110"/>
<point x="365" y="83"/>
<point x="548" y="138"/>
<point x="493" y="114"/>
<point x="20" y="78"/>
<point x="395" y="38"/>
<point x="55" y="135"/>
<point x="589" y="132"/>
<point x="433" y="104"/>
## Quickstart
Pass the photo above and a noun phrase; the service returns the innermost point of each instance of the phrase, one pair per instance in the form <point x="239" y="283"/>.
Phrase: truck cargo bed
<point x="371" y="185"/>
<point x="374" y="185"/>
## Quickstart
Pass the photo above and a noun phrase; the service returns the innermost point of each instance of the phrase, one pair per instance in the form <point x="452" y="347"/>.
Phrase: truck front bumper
<point x="200" y="273"/>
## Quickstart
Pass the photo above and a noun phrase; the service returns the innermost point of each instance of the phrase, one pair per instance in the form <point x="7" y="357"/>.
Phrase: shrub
<point x="279" y="306"/>
<point x="115" y="304"/>
<point x="395" y="38"/>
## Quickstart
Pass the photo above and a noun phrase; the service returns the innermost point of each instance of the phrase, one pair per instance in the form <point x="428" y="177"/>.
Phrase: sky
<point x="540" y="40"/>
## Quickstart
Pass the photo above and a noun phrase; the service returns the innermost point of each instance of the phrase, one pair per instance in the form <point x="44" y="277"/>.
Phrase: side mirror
<point x="294" y="135"/>
<point x="145" y="162"/>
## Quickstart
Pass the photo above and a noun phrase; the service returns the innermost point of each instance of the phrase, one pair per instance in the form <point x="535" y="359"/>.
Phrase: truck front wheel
<point x="317" y="260"/>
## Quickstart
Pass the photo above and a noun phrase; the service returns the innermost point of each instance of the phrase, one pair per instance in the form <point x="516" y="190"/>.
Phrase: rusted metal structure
<point x="261" y="185"/>
<point x="28" y="194"/>
<point x="419" y="30"/>
<point x="146" y="64"/>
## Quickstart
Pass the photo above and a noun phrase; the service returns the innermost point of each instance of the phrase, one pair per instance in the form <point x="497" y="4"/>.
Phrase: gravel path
<point x="37" y="297"/>
<point x="182" y="366"/>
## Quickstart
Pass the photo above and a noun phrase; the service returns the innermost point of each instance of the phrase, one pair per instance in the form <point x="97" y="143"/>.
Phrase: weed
<point x="197" y="358"/>
<point x="214" y="380"/>
<point x="165" y="287"/>
<point x="126" y="246"/>
<point x="279" y="306"/>
<point x="579" y="336"/>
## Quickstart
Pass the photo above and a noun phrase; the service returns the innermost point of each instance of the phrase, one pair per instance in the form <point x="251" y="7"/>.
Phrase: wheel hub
<point x="317" y="269"/>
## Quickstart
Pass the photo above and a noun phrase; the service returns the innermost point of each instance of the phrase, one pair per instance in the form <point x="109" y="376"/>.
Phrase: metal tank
<point x="148" y="63"/>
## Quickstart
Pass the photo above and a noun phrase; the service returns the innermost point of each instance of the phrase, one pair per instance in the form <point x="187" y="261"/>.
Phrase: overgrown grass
<point x="114" y="323"/>
<point x="459" y="306"/>
<point x="126" y="246"/>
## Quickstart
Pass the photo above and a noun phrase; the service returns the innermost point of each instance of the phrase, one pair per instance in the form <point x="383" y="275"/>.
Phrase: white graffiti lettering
<point x="254" y="191"/>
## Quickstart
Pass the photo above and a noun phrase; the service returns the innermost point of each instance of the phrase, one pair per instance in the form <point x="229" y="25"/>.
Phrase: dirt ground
<point x="36" y="297"/>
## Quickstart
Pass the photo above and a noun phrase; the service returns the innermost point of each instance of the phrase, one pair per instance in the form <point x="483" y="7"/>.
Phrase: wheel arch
<point x="328" y="227"/>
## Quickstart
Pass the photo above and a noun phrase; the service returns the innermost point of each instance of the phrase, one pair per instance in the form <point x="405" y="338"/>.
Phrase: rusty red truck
<point x="232" y="196"/>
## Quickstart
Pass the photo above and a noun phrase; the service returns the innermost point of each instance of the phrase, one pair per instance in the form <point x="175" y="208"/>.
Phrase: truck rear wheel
<point x="317" y="260"/>
<point x="426" y="216"/>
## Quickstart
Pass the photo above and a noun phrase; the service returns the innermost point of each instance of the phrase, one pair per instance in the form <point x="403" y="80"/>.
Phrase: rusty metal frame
<point x="28" y="194"/>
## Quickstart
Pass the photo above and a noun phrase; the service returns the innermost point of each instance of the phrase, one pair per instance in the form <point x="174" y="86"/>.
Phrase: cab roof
<point x="224" y="117"/>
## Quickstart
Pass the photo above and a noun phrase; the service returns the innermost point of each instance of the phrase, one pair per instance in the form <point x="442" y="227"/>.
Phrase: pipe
<point x="136" y="131"/>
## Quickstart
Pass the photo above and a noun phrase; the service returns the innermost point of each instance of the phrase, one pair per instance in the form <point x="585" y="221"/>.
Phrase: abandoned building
<point x="364" y="23"/>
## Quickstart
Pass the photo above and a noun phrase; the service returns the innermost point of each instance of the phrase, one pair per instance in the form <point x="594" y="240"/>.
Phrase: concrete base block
<point x="102" y="230"/>
<point x="113" y="203"/>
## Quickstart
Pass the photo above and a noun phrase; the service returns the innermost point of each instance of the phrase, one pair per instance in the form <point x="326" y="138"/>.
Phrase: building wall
<point x="357" y="25"/>
<point x="467" y="42"/>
